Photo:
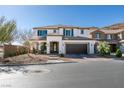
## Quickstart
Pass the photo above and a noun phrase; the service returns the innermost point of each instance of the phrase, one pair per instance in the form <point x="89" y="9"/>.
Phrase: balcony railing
<point x="54" y="34"/>
<point x="39" y="38"/>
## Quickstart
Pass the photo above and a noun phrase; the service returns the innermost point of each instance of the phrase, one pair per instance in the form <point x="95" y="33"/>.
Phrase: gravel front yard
<point x="25" y="59"/>
<point x="38" y="59"/>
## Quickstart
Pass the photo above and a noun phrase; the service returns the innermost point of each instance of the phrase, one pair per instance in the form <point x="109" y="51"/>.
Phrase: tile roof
<point x="77" y="38"/>
<point x="109" y="31"/>
<point x="62" y="26"/>
<point x="106" y="31"/>
<point x="112" y="31"/>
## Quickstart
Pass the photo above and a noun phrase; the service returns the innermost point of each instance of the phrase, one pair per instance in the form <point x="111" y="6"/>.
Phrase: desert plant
<point x="103" y="48"/>
<point x="118" y="53"/>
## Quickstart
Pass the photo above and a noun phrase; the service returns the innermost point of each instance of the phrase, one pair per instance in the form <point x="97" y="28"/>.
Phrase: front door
<point x="54" y="47"/>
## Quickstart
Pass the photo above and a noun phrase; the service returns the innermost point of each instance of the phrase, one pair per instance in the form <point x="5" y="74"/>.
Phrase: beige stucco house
<point x="64" y="39"/>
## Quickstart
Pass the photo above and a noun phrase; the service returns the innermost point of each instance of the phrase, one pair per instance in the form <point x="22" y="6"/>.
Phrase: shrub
<point x="43" y="48"/>
<point x="118" y="53"/>
<point x="103" y="48"/>
<point x="35" y="51"/>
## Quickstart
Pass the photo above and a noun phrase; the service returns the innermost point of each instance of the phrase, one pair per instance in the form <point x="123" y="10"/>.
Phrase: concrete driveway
<point x="91" y="74"/>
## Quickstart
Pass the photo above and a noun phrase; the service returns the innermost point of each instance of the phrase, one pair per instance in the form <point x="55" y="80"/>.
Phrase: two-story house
<point x="63" y="39"/>
<point x="113" y="37"/>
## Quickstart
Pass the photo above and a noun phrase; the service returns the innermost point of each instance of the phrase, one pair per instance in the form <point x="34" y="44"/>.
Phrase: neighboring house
<point x="115" y="38"/>
<point x="63" y="39"/>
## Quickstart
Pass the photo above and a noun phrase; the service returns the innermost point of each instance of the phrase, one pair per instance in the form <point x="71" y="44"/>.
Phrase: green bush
<point x="35" y="51"/>
<point x="43" y="48"/>
<point x="10" y="54"/>
<point x="118" y="53"/>
<point x="103" y="48"/>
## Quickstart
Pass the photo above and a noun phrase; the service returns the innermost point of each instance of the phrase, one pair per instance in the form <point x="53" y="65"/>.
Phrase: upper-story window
<point x="42" y="33"/>
<point x="120" y="36"/>
<point x="68" y="32"/>
<point x="109" y="36"/>
<point x="54" y="31"/>
<point x="82" y="31"/>
<point x="97" y="35"/>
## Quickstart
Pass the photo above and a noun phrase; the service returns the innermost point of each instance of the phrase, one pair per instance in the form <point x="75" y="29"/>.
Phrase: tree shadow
<point x="12" y="69"/>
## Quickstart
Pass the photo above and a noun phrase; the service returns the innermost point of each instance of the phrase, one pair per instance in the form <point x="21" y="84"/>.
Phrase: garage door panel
<point x="76" y="48"/>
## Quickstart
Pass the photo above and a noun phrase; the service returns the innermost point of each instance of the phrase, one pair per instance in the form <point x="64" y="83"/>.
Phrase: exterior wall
<point x="90" y="44"/>
<point x="61" y="31"/>
<point x="34" y="43"/>
<point x="115" y="36"/>
<point x="77" y="32"/>
<point x="1" y="48"/>
<point x="123" y="35"/>
<point x="54" y="39"/>
<point x="14" y="50"/>
<point x="102" y="35"/>
<point x="91" y="47"/>
<point x="122" y="47"/>
<point x="105" y="36"/>
<point x="51" y="31"/>
<point x="35" y="36"/>
<point x="62" y="43"/>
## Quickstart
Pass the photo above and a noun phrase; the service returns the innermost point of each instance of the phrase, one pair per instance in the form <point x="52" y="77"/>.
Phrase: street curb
<point x="35" y="64"/>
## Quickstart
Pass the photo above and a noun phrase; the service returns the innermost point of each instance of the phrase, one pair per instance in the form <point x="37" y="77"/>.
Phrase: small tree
<point x="118" y="53"/>
<point x="103" y="48"/>
<point x="24" y="37"/>
<point x="7" y="30"/>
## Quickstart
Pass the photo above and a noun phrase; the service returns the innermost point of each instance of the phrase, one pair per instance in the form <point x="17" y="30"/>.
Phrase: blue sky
<point x="31" y="16"/>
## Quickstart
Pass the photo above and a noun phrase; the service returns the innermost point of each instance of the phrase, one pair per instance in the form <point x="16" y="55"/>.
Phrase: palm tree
<point x="7" y="30"/>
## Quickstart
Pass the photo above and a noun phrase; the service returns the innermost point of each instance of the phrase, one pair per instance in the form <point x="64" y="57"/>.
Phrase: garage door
<point x="76" y="48"/>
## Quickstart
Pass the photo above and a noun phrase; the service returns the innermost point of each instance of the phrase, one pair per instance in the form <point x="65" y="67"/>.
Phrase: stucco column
<point x="120" y="35"/>
<point x="39" y="45"/>
<point x="35" y="45"/>
<point x="63" y="48"/>
<point x="60" y="48"/>
<point x="91" y="48"/>
<point x="31" y="45"/>
<point x="48" y="47"/>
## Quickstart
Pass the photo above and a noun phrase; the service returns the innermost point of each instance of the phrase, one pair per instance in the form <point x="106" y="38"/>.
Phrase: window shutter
<point x="72" y="33"/>
<point x="45" y="32"/>
<point x="38" y="32"/>
<point x="64" y="31"/>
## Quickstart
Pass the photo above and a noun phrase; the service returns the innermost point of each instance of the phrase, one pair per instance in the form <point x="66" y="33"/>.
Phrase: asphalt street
<point x="100" y="74"/>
